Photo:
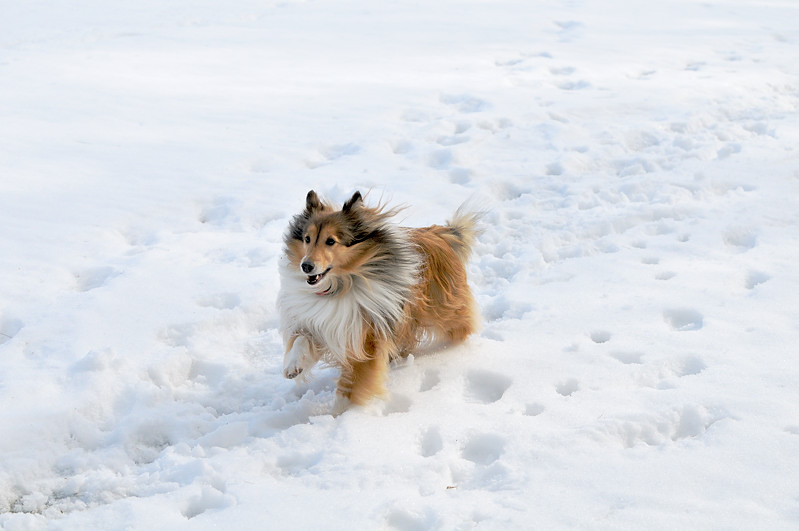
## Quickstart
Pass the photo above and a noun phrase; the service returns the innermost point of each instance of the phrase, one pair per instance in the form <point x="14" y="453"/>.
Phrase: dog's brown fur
<point x="355" y="250"/>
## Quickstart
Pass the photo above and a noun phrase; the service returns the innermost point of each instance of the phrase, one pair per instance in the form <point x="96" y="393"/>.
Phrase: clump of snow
<point x="637" y="272"/>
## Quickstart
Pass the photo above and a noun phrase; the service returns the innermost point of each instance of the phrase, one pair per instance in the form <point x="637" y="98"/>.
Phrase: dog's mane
<point x="374" y="293"/>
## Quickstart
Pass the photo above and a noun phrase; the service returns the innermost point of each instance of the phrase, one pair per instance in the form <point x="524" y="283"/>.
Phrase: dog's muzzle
<point x="314" y="279"/>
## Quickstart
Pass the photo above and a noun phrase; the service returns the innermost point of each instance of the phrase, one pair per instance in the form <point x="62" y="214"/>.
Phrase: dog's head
<point x="327" y="245"/>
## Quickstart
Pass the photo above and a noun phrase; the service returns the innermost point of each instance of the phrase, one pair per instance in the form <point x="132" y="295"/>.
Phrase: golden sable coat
<point x="357" y="290"/>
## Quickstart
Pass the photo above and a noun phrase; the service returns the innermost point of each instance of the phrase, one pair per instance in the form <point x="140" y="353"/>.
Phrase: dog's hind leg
<point x="361" y="381"/>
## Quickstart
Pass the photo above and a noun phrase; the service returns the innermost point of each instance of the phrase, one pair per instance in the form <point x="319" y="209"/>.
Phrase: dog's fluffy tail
<point x="464" y="227"/>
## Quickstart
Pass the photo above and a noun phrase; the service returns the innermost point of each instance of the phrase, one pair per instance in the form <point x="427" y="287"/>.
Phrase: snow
<point x="637" y="365"/>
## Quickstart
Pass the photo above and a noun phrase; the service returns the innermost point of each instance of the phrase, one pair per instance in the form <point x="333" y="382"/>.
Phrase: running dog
<point x="357" y="291"/>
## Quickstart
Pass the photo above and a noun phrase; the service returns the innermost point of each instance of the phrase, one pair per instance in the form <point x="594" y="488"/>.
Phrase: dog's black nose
<point x="306" y="267"/>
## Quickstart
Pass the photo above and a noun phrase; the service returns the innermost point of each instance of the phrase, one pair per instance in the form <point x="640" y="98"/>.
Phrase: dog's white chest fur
<point x="333" y="321"/>
<point x="336" y="322"/>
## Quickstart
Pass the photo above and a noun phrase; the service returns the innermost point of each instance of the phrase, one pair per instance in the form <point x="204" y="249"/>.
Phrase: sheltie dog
<point x="357" y="291"/>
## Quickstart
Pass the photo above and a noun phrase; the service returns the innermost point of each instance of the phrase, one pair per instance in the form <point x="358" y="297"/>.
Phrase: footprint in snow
<point x="461" y="126"/>
<point x="533" y="409"/>
<point x="483" y="448"/>
<point x="452" y="140"/>
<point x="465" y="103"/>
<point x="562" y="70"/>
<point x="209" y="498"/>
<point x="94" y="277"/>
<point x="401" y="147"/>
<point x="755" y="278"/>
<point x="484" y="387"/>
<point x="298" y="463"/>
<point x="656" y="430"/>
<point x="327" y="154"/>
<point x="628" y="358"/>
<point x="430" y="379"/>
<point x="555" y="169"/>
<point x="683" y="319"/>
<point x="460" y="176"/>
<point x="690" y="365"/>
<point x="568" y="387"/>
<point x="9" y="327"/>
<point x="740" y="238"/>
<point x="220" y="211"/>
<point x="580" y="84"/>
<point x="600" y="336"/>
<point x="397" y="404"/>
<point x="405" y="519"/>
<point x="568" y="25"/>
<point x="431" y="442"/>
<point x="440" y="159"/>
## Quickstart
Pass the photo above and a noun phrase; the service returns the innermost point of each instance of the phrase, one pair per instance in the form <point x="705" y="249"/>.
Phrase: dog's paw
<point x="298" y="359"/>
<point x="292" y="372"/>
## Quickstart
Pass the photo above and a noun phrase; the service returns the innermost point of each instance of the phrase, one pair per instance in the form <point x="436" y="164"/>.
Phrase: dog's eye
<point x="330" y="241"/>
<point x="307" y="239"/>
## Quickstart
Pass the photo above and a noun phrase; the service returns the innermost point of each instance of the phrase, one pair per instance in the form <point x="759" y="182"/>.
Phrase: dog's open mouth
<point x="314" y="279"/>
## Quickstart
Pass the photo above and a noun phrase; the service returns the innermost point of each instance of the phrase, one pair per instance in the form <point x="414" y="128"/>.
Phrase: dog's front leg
<point x="301" y="354"/>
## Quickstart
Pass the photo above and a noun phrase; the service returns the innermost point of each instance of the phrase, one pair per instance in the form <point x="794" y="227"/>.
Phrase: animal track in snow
<point x="627" y="357"/>
<point x="295" y="464"/>
<point x="336" y="151"/>
<point x="94" y="277"/>
<point x="460" y="175"/>
<point x="408" y="520"/>
<point x="465" y="103"/>
<point x="440" y="159"/>
<point x="327" y="154"/>
<point x="401" y="147"/>
<point x="397" y="404"/>
<point x="600" y="336"/>
<point x="461" y="126"/>
<point x="562" y="71"/>
<point x="431" y="442"/>
<point x="533" y="409"/>
<point x="742" y="238"/>
<point x="483" y="448"/>
<point x="688" y="422"/>
<point x="554" y="169"/>
<point x="690" y="366"/>
<point x="452" y="140"/>
<point x="220" y="211"/>
<point x="755" y="278"/>
<point x="9" y="327"/>
<point x="730" y="149"/>
<point x="568" y="387"/>
<point x="484" y="387"/>
<point x="683" y="319"/>
<point x="208" y="499"/>
<point x="430" y="379"/>
<point x="177" y="335"/>
<point x="574" y="85"/>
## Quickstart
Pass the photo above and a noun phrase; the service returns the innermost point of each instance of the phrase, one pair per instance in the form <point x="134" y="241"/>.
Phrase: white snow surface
<point x="637" y="274"/>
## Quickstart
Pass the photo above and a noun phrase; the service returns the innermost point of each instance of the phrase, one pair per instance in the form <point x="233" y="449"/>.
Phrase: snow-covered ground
<point x="638" y="366"/>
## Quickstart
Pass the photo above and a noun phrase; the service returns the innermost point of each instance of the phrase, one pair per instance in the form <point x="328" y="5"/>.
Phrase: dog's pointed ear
<point x="354" y="202"/>
<point x="312" y="202"/>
